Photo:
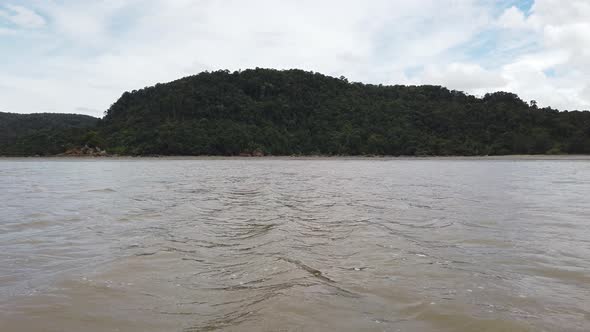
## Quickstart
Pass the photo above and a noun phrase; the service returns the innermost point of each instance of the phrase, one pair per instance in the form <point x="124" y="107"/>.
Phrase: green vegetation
<point x="295" y="112"/>
<point x="42" y="133"/>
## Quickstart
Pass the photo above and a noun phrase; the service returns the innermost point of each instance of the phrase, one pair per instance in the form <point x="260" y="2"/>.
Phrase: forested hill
<point x="42" y="133"/>
<point x="296" y="112"/>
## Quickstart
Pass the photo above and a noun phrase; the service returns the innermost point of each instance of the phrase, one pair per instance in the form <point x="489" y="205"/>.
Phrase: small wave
<point x="103" y="190"/>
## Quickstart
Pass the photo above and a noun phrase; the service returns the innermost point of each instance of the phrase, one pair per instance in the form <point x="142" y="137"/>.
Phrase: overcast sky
<point x="77" y="56"/>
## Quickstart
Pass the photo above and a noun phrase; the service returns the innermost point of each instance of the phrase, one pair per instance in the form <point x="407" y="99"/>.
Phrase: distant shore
<point x="311" y="157"/>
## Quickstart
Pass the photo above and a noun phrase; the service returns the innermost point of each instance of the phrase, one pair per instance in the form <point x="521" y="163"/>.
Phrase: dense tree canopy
<point x="296" y="112"/>
<point x="42" y="133"/>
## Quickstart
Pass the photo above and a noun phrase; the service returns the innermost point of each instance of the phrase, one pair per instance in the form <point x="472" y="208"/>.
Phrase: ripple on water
<point x="197" y="245"/>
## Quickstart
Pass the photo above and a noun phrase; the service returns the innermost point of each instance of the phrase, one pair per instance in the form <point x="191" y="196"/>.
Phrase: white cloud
<point x="513" y="18"/>
<point x="463" y="76"/>
<point x="372" y="41"/>
<point x="22" y="17"/>
<point x="4" y="31"/>
<point x="586" y="93"/>
<point x="562" y="27"/>
<point x="558" y="12"/>
<point x="91" y="51"/>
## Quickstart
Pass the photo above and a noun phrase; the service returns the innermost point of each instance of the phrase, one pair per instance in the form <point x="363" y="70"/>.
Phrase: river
<point x="295" y="244"/>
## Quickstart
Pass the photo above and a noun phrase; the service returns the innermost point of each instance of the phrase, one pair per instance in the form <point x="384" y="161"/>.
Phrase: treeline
<point x="295" y="112"/>
<point x="43" y="133"/>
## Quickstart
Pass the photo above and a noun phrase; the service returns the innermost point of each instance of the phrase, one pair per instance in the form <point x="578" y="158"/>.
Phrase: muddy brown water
<point x="294" y="245"/>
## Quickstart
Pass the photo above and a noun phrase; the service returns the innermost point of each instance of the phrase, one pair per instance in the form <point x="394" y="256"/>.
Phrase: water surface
<point x="294" y="245"/>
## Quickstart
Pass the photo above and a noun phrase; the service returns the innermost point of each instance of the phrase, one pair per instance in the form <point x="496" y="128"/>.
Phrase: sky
<point x="78" y="56"/>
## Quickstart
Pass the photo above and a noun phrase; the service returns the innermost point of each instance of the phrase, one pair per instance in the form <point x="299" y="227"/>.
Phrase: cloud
<point x="513" y="18"/>
<point x="85" y="110"/>
<point x="586" y="93"/>
<point x="98" y="50"/>
<point x="4" y="31"/>
<point x="557" y="12"/>
<point x="561" y="29"/>
<point x="22" y="17"/>
<point x="463" y="76"/>
<point x="89" y="52"/>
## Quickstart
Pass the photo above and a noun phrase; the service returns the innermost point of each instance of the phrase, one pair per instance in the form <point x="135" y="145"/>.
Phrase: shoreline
<point x="311" y="157"/>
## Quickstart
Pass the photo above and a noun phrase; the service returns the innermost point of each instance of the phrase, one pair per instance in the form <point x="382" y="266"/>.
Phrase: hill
<point x="42" y="133"/>
<point x="296" y="112"/>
